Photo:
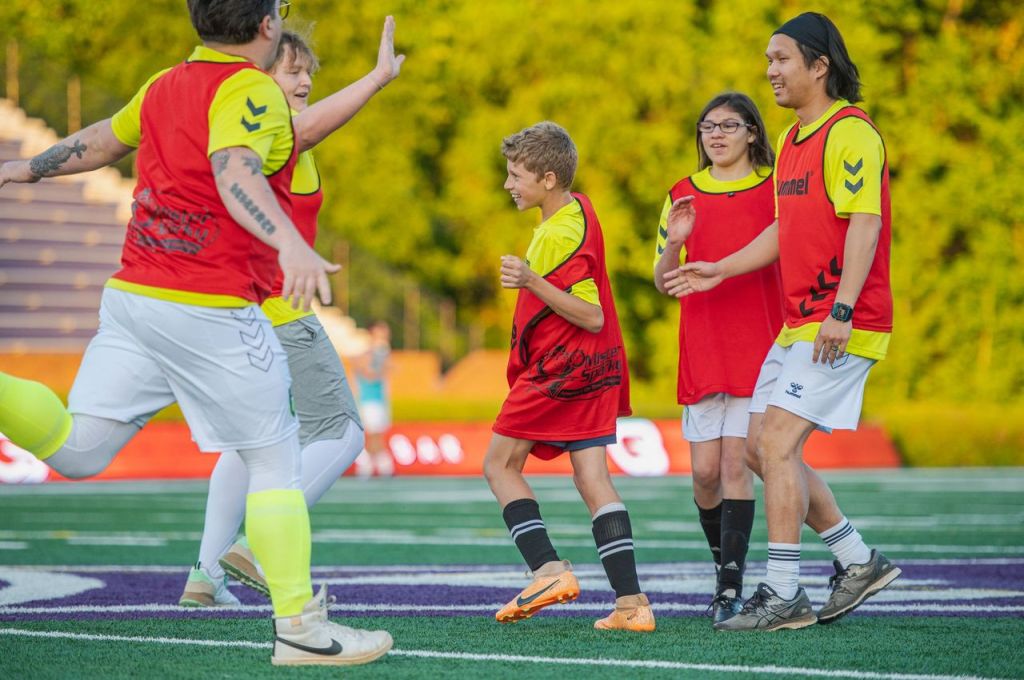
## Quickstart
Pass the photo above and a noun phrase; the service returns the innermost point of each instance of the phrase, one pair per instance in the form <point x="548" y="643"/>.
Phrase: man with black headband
<point x="831" y="237"/>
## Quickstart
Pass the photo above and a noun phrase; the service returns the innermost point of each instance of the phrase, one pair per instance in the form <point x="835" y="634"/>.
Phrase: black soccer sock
<point x="711" y="523"/>
<point x="614" y="538"/>
<point x="522" y="517"/>
<point x="737" y="521"/>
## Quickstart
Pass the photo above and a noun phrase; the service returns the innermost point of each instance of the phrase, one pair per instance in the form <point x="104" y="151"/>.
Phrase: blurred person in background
<point x="372" y="369"/>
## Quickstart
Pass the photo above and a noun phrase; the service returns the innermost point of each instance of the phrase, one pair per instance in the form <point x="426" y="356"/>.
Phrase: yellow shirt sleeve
<point x="554" y="242"/>
<point x="127" y="123"/>
<point x="250" y="110"/>
<point x="854" y="157"/>
<point x="306" y="179"/>
<point x="663" y="234"/>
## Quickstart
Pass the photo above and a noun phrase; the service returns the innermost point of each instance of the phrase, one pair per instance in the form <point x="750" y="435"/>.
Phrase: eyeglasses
<point x="283" y="7"/>
<point x="728" y="126"/>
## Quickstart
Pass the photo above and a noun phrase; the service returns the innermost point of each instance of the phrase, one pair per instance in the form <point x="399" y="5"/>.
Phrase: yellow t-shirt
<point x="306" y="180"/>
<point x="249" y="110"/>
<point x="554" y="242"/>
<point x="854" y="158"/>
<point x="704" y="181"/>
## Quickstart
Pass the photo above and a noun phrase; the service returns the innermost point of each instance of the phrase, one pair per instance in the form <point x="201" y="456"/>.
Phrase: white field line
<point x="384" y="608"/>
<point x="393" y="537"/>
<point x="790" y="671"/>
<point x="669" y="568"/>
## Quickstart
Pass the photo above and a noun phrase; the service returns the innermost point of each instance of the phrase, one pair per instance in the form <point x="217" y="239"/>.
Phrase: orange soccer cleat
<point x="554" y="583"/>
<point x="632" y="612"/>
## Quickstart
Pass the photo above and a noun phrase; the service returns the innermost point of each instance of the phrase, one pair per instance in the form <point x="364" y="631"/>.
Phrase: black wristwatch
<point x="841" y="312"/>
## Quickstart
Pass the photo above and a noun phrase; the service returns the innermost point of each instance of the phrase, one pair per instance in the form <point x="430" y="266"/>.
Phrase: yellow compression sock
<point x="32" y="416"/>
<point x="277" y="526"/>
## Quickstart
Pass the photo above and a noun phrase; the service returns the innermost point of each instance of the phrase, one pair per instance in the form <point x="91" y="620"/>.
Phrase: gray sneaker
<point x="767" y="611"/>
<point x="851" y="586"/>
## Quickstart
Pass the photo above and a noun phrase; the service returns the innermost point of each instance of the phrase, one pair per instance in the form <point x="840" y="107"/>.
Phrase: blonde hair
<point x="297" y="48"/>
<point x="542" y="148"/>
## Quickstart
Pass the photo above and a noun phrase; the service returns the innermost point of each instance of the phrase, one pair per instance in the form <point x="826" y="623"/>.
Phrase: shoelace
<point x="717" y="599"/>
<point x="836" y="581"/>
<point x="754" y="602"/>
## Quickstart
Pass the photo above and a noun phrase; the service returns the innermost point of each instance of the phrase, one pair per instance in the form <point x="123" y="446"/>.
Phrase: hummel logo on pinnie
<point x="794" y="390"/>
<point x="520" y="601"/>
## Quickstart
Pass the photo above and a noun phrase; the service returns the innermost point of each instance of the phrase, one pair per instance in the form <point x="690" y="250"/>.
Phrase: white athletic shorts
<point x="224" y="367"/>
<point x="716" y="416"/>
<point x="828" y="395"/>
<point x="376" y="416"/>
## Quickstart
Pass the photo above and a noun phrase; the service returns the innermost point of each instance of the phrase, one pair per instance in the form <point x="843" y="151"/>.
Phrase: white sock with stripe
<point x="784" y="569"/>
<point x="846" y="544"/>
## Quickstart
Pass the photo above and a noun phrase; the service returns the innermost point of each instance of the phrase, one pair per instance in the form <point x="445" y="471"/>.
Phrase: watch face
<point x="841" y="312"/>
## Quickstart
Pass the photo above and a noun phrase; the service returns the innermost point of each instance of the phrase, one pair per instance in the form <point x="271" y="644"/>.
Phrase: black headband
<point x="807" y="29"/>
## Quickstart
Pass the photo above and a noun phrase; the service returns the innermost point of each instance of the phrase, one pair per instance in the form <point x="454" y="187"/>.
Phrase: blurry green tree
<point x="415" y="180"/>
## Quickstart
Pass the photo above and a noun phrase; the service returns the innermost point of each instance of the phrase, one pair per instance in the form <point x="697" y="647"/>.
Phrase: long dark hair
<point x="843" y="77"/>
<point x="760" y="152"/>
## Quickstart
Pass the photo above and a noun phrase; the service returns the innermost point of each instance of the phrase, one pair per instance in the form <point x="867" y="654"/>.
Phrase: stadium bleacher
<point x="57" y="247"/>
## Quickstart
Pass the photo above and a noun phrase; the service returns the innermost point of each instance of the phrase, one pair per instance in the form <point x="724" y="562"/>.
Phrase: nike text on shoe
<point x="203" y="591"/>
<point x="851" y="586"/>
<point x="550" y="586"/>
<point x="310" y="639"/>
<point x="240" y="564"/>
<point x="632" y="612"/>
<point x="767" y="611"/>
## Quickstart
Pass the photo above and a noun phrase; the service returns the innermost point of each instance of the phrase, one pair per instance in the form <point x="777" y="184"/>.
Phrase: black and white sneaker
<point x="724" y="607"/>
<point x="310" y="639"/>
<point x="851" y="586"/>
<point x="767" y="611"/>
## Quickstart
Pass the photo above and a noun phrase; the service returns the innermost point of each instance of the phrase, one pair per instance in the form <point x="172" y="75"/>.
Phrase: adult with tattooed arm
<point x="181" y="320"/>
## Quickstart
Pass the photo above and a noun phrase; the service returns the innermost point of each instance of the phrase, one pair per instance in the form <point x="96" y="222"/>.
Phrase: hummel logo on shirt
<point x="794" y="390"/>
<point x="798" y="186"/>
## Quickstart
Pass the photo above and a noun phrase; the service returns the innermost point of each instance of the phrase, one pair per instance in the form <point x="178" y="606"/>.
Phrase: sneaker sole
<point x="527" y="612"/>
<point x="313" y="660"/>
<point x="243" y="576"/>
<point x="195" y="602"/>
<point x="887" y="578"/>
<point x="793" y="624"/>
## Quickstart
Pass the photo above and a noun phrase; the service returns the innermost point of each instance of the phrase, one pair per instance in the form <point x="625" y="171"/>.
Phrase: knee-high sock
<point x="522" y="517"/>
<point x="711" y="523"/>
<point x="737" y="522"/>
<point x="32" y="416"/>
<point x="225" y="510"/>
<point x="614" y="538"/>
<point x="325" y="460"/>
<point x="322" y="463"/>
<point x="277" y="526"/>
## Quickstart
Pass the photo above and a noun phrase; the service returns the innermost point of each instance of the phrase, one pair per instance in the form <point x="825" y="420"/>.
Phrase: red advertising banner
<point x="164" y="450"/>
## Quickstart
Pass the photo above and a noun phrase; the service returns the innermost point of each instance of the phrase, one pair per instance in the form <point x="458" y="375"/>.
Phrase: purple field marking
<point x="127" y="588"/>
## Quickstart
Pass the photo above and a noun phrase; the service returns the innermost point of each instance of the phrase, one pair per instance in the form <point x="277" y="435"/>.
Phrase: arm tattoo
<point x="219" y="161"/>
<point x="254" y="164"/>
<point x="50" y="161"/>
<point x="243" y="198"/>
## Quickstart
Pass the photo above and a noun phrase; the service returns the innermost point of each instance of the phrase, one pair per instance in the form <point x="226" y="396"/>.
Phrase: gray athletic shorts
<point x="323" y="399"/>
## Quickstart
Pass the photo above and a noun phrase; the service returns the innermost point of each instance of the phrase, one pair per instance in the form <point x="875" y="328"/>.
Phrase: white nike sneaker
<point x="311" y="639"/>
<point x="203" y="591"/>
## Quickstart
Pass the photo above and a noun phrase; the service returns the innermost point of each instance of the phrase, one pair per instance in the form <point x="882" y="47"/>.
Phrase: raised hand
<point x="681" y="217"/>
<point x="515" y="273"/>
<point x="693" y="277"/>
<point x="388" y="64"/>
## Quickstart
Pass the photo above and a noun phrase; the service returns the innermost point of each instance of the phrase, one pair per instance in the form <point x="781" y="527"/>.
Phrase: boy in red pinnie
<point x="568" y="381"/>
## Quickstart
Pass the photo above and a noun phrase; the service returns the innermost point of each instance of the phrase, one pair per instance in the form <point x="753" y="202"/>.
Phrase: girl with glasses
<point x="724" y="334"/>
